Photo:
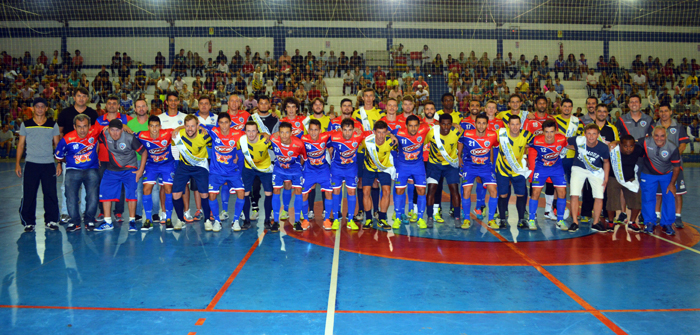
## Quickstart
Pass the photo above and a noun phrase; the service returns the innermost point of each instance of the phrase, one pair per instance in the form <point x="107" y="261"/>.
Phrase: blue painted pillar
<point x="389" y="38"/>
<point x="171" y="44"/>
<point x="499" y="46"/>
<point x="279" y="40"/>
<point x="64" y="39"/>
<point x="606" y="49"/>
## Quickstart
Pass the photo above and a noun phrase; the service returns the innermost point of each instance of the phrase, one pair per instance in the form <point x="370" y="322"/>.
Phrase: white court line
<point x="676" y="244"/>
<point x="330" y="314"/>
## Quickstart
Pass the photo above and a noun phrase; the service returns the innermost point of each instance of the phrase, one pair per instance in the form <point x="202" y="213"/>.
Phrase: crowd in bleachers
<point x="251" y="74"/>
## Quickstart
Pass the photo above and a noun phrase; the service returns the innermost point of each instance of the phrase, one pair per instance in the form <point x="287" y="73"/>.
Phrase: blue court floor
<point x="433" y="281"/>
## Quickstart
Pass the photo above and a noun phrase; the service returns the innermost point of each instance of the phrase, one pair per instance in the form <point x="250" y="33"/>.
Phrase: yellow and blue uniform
<point x="562" y="126"/>
<point x="325" y="122"/>
<point x="456" y="118"/>
<point x="193" y="161"/>
<point x="504" y="173"/>
<point x="438" y="166"/>
<point x="261" y="157"/>
<point x="371" y="171"/>
<point x="373" y="115"/>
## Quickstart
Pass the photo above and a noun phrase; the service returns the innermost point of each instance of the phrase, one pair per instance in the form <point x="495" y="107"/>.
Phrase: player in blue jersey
<point x="409" y="165"/>
<point x="224" y="170"/>
<point x="316" y="172"/>
<point x="290" y="154"/>
<point x="476" y="161"/>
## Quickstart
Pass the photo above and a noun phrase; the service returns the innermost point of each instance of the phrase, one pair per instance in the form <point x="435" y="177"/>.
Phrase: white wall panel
<point x="99" y="50"/>
<point x="450" y="46"/>
<point x="530" y="48"/>
<point x="227" y="44"/>
<point x="17" y="46"/>
<point x="625" y="52"/>
<point x="315" y="45"/>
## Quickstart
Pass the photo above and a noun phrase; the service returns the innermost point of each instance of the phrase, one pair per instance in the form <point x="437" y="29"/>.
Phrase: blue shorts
<point x="436" y="171"/>
<point x="338" y="176"/>
<point x="184" y="172"/>
<point x="161" y="173"/>
<point x="250" y="174"/>
<point x="487" y="176"/>
<point x="322" y="177"/>
<point x="415" y="172"/>
<point x="369" y="176"/>
<point x="279" y="177"/>
<point x="519" y="184"/>
<point x="112" y="182"/>
<point x="556" y="174"/>
<point x="234" y="180"/>
<point x="360" y="163"/>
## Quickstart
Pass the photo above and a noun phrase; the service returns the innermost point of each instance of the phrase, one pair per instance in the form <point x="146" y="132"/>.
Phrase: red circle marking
<point x="589" y="249"/>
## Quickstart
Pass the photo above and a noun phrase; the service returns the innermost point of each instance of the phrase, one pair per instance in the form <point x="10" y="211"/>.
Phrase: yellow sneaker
<point x="336" y="224"/>
<point x="413" y="217"/>
<point x="438" y="218"/>
<point x="466" y="224"/>
<point x="494" y="225"/>
<point x="397" y="224"/>
<point x="422" y="224"/>
<point x="352" y="225"/>
<point x="283" y="215"/>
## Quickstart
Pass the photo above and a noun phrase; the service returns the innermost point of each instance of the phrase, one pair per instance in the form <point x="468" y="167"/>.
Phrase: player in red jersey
<point x="317" y="172"/>
<point x="469" y="122"/>
<point x="291" y="106"/>
<point x="291" y="153"/>
<point x="238" y="116"/>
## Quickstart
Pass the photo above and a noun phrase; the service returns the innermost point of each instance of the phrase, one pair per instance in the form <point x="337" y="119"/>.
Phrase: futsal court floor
<point x="431" y="281"/>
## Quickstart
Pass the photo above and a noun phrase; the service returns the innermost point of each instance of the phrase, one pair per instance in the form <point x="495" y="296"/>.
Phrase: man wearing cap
<point x="121" y="171"/>
<point x="38" y="135"/>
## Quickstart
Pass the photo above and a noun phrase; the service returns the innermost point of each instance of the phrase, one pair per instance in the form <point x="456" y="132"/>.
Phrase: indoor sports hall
<point x="437" y="280"/>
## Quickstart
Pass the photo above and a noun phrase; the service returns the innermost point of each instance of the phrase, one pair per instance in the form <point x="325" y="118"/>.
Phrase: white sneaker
<point x="236" y="226"/>
<point x="550" y="215"/>
<point x="223" y="215"/>
<point x="207" y="225"/>
<point x="217" y="226"/>
<point x="177" y="224"/>
<point x="567" y="214"/>
<point x="163" y="217"/>
<point x="189" y="217"/>
<point x="254" y="215"/>
<point x="311" y="215"/>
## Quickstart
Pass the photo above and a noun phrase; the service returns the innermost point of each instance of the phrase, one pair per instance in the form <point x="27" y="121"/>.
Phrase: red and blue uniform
<point x="79" y="153"/>
<point x="467" y="123"/>
<point x="335" y="123"/>
<point x="344" y="158"/>
<point x="476" y="157"/>
<point x="289" y="161"/>
<point x="160" y="160"/>
<point x="547" y="165"/>
<point x="297" y="125"/>
<point x="394" y="125"/>
<point x="409" y="158"/>
<point x="222" y="169"/>
<point x="316" y="169"/>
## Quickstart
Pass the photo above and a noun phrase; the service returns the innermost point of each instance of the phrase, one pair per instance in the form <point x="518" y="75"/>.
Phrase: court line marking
<point x="200" y="322"/>
<point x="597" y="314"/>
<point x="233" y="275"/>
<point x="15" y="185"/>
<point x="330" y="313"/>
<point x="126" y="309"/>
<point x="676" y="243"/>
<point x="191" y="333"/>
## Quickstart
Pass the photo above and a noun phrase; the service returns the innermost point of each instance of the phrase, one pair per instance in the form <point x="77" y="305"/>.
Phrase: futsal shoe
<point x="561" y="225"/>
<point x="105" y="226"/>
<point x="668" y="230"/>
<point x="413" y="217"/>
<point x="609" y="226"/>
<point x="208" y="225"/>
<point x="404" y="219"/>
<point x="479" y="212"/>
<point x="283" y="215"/>
<point x="246" y="225"/>
<point x="551" y="215"/>
<point x="633" y="226"/>
<point x="352" y="225"/>
<point x="429" y="223"/>
<point x="397" y="224"/>
<point x="51" y="225"/>
<point x="147" y="225"/>
<point x="522" y="224"/>
<point x="132" y="226"/>
<point x="649" y="228"/>
<point x="311" y="215"/>
<point x="327" y="224"/>
<point x="466" y="224"/>
<point x="621" y="218"/>
<point x="360" y="217"/>
<point x="177" y="225"/>
<point x="336" y="224"/>
<point x="438" y="218"/>
<point x="161" y="217"/>
<point x="502" y="224"/>
<point x="368" y="224"/>
<point x="305" y="224"/>
<point x="65" y="218"/>
<point x="422" y="224"/>
<point x="494" y="225"/>
<point x="297" y="226"/>
<point x="573" y="227"/>
<point x="532" y="225"/>
<point x="598" y="227"/>
<point x="236" y="226"/>
<point x="217" y="226"/>
<point x="188" y="216"/>
<point x="383" y="224"/>
<point x="169" y="224"/>
<point x="679" y="222"/>
<point x="90" y="226"/>
<point x="29" y="228"/>
<point x="72" y="227"/>
<point x="119" y="217"/>
<point x="223" y="215"/>
<point x="198" y="215"/>
<point x="585" y="219"/>
<point x="254" y="214"/>
<point x="274" y="226"/>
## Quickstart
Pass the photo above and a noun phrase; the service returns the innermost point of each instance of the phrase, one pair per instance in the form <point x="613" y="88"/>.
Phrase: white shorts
<point x="578" y="178"/>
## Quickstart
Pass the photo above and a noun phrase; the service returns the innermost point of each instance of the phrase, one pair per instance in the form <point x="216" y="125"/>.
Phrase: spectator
<point x="126" y="104"/>
<point x="522" y="86"/>
<point x="422" y="94"/>
<point x="608" y="98"/>
<point x="639" y="81"/>
<point x="355" y="60"/>
<point x="178" y="84"/>
<point x="427" y="59"/>
<point x="573" y="66"/>
<point x="348" y="81"/>
<point x="526" y="71"/>
<point x="592" y="83"/>
<point x="420" y="82"/>
<point x="116" y="62"/>
<point x="694" y="134"/>
<point x="510" y="64"/>
<point x="163" y="85"/>
<point x="7" y="137"/>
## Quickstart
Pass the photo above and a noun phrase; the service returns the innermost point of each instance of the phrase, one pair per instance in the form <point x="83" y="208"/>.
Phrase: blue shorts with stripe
<point x="470" y="174"/>
<point x="406" y="172"/>
<point x="322" y="177"/>
<point x="234" y="180"/>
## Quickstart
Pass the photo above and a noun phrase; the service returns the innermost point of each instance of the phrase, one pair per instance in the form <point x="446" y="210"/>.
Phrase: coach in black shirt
<point x="65" y="119"/>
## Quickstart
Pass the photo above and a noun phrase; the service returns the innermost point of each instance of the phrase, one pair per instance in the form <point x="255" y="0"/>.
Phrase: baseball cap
<point x="116" y="123"/>
<point x="40" y="101"/>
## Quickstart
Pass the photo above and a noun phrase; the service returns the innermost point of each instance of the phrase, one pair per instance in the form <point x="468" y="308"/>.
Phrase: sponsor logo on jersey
<point x="643" y="123"/>
<point x="122" y="146"/>
<point x="664" y="153"/>
<point x="552" y="155"/>
<point x="480" y="151"/>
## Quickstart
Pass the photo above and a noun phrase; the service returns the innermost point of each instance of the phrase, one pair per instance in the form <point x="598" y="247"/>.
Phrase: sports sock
<point x="328" y="204"/>
<point x="311" y="200"/>
<point x="206" y="211"/>
<point x="297" y="207"/>
<point x="493" y="205"/>
<point x="421" y="206"/>
<point x="337" y="200"/>
<point x="375" y="198"/>
<point x="561" y="209"/>
<point x="533" y="208"/>
<point x="382" y="216"/>
<point x="352" y="204"/>
<point x="147" y="202"/>
<point x="286" y="199"/>
<point x="480" y="195"/>
<point x="304" y="207"/>
<point x="214" y="204"/>
<point x="225" y="196"/>
<point x="549" y="199"/>
<point x="466" y="206"/>
<point x="169" y="205"/>
<point x="409" y="193"/>
<point x="268" y="207"/>
<point x="275" y="206"/>
<point x="502" y="207"/>
<point x="237" y="209"/>
<point x="246" y="207"/>
<point x="520" y="203"/>
<point x="179" y="205"/>
<point x="400" y="204"/>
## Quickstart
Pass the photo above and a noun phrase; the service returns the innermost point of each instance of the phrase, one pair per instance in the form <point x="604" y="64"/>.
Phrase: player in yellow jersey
<point x="448" y="103"/>
<point x="514" y="102"/>
<point x="367" y="115"/>
<point x="192" y="143"/>
<point x="570" y="126"/>
<point x="379" y="166"/>
<point x="254" y="147"/>
<point x="317" y="113"/>
<point x="511" y="168"/>
<point x="443" y="163"/>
